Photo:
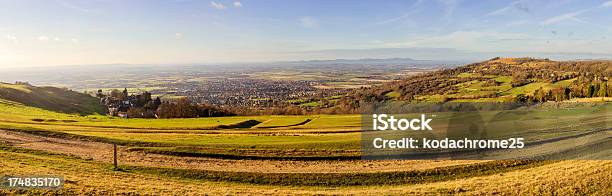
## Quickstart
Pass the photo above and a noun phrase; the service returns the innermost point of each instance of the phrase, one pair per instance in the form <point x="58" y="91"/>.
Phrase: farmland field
<point x="311" y="154"/>
<point x="565" y="177"/>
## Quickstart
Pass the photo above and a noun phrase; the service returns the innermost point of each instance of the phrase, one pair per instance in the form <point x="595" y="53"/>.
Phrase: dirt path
<point x="103" y="152"/>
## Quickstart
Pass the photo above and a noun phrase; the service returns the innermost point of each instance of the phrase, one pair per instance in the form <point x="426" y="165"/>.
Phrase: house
<point x="122" y="114"/>
<point x="113" y="111"/>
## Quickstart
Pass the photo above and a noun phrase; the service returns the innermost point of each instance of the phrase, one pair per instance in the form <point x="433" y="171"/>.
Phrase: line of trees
<point x="566" y="93"/>
<point x="183" y="108"/>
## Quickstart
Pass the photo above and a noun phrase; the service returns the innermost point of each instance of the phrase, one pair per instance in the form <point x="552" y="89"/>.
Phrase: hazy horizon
<point x="37" y="33"/>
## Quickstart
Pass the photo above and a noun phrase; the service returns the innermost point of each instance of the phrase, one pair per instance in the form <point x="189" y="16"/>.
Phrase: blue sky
<point x="62" y="32"/>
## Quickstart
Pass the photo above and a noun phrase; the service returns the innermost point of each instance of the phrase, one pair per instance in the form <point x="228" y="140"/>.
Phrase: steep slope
<point x="51" y="98"/>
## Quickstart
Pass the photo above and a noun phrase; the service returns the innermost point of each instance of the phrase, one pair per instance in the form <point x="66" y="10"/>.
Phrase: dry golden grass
<point x="590" y="100"/>
<point x="102" y="152"/>
<point x="561" y="178"/>
<point x="87" y="177"/>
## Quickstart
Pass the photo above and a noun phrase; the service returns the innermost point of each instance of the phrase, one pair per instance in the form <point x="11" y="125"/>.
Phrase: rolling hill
<point x="50" y="98"/>
<point x="508" y="79"/>
<point x="494" y="80"/>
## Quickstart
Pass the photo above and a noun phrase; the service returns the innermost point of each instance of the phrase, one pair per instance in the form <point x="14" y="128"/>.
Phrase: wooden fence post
<point x="115" y="155"/>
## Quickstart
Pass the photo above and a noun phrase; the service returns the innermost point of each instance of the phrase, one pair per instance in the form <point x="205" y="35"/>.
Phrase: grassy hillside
<point x="505" y="79"/>
<point x="306" y="154"/>
<point x="50" y="98"/>
<point x="274" y="136"/>
<point x="494" y="80"/>
<point x="557" y="178"/>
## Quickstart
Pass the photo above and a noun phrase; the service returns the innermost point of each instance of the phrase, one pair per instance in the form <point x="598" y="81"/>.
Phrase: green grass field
<point x="15" y="112"/>
<point x="321" y="133"/>
<point x="476" y="91"/>
<point x="210" y="155"/>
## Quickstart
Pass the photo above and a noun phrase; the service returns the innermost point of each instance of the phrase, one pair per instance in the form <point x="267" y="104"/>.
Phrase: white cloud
<point x="517" y="23"/>
<point x="392" y="20"/>
<point x="73" y="6"/>
<point x="376" y="42"/>
<point x="237" y="4"/>
<point x="74" y="40"/>
<point x="607" y="4"/>
<point x="572" y="16"/>
<point x="56" y="39"/>
<point x="496" y="42"/>
<point x="216" y="5"/>
<point x="43" y="38"/>
<point x="449" y="7"/>
<point x="500" y="11"/>
<point x="516" y="5"/>
<point x="178" y="35"/>
<point x="12" y="38"/>
<point x="471" y="40"/>
<point x="405" y="16"/>
<point x="308" y="22"/>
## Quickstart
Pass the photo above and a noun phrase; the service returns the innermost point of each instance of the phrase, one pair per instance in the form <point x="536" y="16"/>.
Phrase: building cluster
<point x="121" y="104"/>
<point x="245" y="92"/>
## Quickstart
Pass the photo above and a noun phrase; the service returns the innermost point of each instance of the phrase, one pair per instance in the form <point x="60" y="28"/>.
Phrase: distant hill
<point x="505" y="79"/>
<point x="373" y="61"/>
<point x="494" y="80"/>
<point x="51" y="98"/>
